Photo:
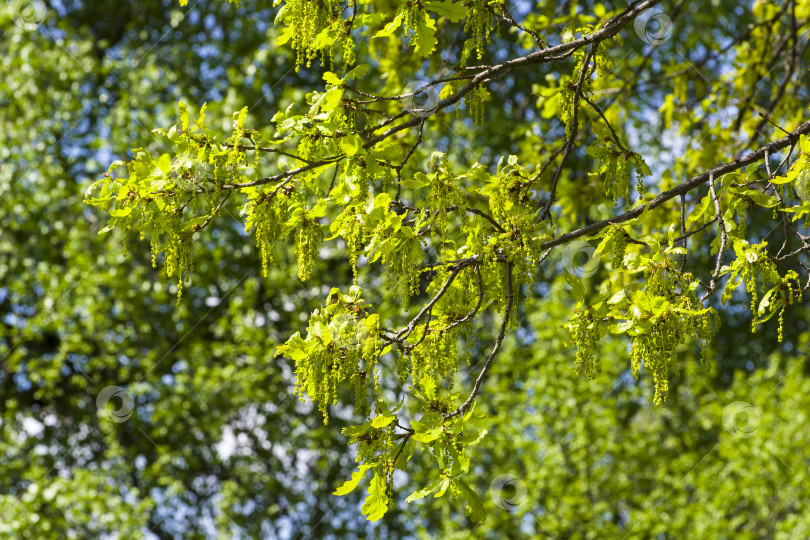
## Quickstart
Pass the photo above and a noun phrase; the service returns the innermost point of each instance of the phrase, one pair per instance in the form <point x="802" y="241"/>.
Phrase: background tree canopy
<point x="422" y="269"/>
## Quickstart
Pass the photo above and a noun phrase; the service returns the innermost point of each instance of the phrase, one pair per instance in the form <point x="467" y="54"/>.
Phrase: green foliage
<point x="479" y="23"/>
<point x="755" y="267"/>
<point x="339" y="168"/>
<point x="342" y="346"/>
<point x="437" y="240"/>
<point x="660" y="313"/>
<point x="665" y="317"/>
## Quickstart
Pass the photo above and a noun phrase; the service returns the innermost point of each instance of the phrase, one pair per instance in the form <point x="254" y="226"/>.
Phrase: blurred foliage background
<point x="216" y="445"/>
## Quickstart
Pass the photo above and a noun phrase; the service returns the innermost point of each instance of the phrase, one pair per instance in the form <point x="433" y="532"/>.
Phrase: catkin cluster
<point x="435" y="358"/>
<point x="347" y="353"/>
<point x="617" y="174"/>
<point x="760" y="274"/>
<point x="443" y="195"/>
<point x="585" y="333"/>
<point x="684" y="320"/>
<point x="790" y="290"/>
<point x="619" y="246"/>
<point x="401" y="270"/>
<point x="308" y="239"/>
<point x="178" y="259"/>
<point x="479" y="24"/>
<point x="267" y="218"/>
<point x="568" y="92"/>
<point x="307" y="19"/>
<point x="352" y="232"/>
<point x="475" y="103"/>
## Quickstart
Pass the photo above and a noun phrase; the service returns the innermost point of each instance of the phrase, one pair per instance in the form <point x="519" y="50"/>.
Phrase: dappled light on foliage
<point x="440" y="268"/>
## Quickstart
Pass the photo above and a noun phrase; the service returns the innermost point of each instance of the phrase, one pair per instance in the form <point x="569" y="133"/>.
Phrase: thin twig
<point x="721" y="225"/>
<point x="683" y="236"/>
<point x="497" y="347"/>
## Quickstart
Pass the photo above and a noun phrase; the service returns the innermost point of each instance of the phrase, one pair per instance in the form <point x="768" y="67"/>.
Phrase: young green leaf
<point x="453" y="12"/>
<point x="349" y="485"/>
<point x="424" y="492"/>
<point x="376" y="504"/>
<point x="474" y="507"/>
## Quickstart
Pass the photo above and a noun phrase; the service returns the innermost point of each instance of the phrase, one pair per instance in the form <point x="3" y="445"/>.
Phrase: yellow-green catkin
<point x="585" y="333"/>
<point x="308" y="240"/>
<point x="479" y="25"/>
<point x="307" y="19"/>
<point x="684" y="320"/>
<point x="619" y="246"/>
<point x="266" y="217"/>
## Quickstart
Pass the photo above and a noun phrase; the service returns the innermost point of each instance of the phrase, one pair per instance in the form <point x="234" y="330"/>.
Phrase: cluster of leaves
<point x="755" y="267"/>
<point x="660" y="313"/>
<point x="76" y="316"/>
<point x="342" y="347"/>
<point x="161" y="197"/>
<point x="314" y="27"/>
<point x="382" y="450"/>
